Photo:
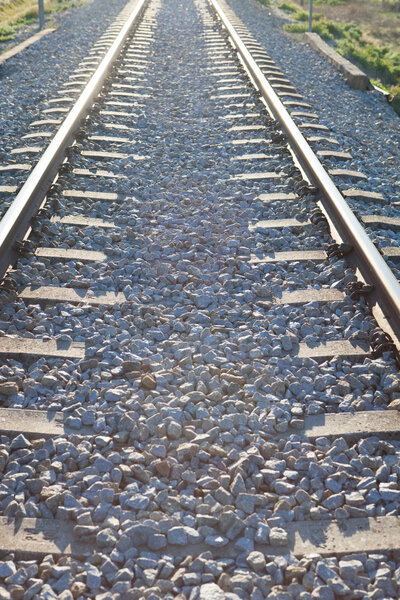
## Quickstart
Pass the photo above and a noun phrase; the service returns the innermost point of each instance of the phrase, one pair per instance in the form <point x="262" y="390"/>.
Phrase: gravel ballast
<point x="30" y="79"/>
<point x="192" y="385"/>
<point x="362" y="122"/>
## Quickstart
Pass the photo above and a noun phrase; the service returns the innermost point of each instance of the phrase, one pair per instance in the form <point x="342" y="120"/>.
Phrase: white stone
<point x="211" y="591"/>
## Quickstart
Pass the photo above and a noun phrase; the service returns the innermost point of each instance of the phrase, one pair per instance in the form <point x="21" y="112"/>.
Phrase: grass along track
<point x="367" y="33"/>
<point x="15" y="14"/>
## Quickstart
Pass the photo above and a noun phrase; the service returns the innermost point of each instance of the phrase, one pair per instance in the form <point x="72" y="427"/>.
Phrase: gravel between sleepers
<point x="363" y="122"/>
<point x="189" y="384"/>
<point x="32" y="77"/>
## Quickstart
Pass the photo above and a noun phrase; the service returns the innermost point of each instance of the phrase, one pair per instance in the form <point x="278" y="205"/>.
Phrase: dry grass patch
<point x="379" y="22"/>
<point x="15" y="14"/>
<point x="367" y="32"/>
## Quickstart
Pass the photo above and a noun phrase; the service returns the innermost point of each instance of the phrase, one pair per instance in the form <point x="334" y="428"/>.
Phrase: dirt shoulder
<point x="19" y="19"/>
<point x="364" y="31"/>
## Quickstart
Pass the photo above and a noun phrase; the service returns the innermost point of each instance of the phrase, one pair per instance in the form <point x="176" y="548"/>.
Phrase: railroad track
<point x="194" y="401"/>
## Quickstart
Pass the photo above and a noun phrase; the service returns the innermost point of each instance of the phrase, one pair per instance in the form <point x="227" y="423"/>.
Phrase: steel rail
<point x="369" y="261"/>
<point x="15" y="223"/>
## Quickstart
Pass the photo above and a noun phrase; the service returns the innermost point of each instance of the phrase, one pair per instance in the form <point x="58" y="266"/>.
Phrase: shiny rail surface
<point x="369" y="261"/>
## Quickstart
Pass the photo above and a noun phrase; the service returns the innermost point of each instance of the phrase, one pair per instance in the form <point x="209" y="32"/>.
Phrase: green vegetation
<point x="393" y="91"/>
<point x="287" y="7"/>
<point x="393" y="5"/>
<point x="57" y="5"/>
<point x="381" y="62"/>
<point x="15" y="14"/>
<point x="327" y="29"/>
<point x="7" y="30"/>
<point x="330" y="2"/>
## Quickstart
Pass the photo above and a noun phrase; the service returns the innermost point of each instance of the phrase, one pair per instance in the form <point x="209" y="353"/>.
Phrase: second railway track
<point x="192" y="405"/>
